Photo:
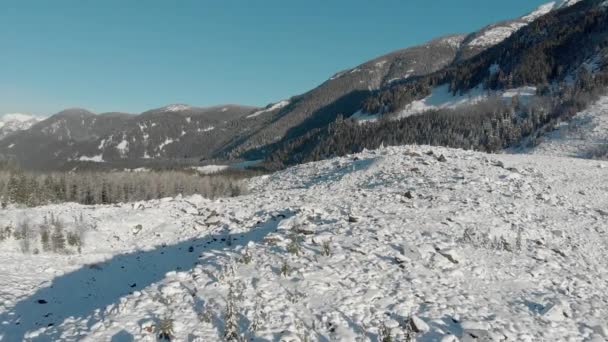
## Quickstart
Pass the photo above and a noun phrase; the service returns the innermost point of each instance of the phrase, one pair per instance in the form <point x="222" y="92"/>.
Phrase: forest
<point x="489" y="125"/>
<point x="99" y="187"/>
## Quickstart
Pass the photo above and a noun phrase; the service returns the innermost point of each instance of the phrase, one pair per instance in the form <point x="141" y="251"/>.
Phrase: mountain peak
<point x="75" y="111"/>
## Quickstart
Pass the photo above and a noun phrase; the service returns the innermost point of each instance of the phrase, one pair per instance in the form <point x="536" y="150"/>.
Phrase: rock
<point x="498" y="163"/>
<point x="409" y="195"/>
<point x="555" y="312"/>
<point x="450" y="254"/>
<point x="137" y="229"/>
<point x="289" y="337"/>
<point x="442" y="159"/>
<point x="475" y="335"/>
<point x="353" y="219"/>
<point x="418" y="325"/>
<point x="601" y="330"/>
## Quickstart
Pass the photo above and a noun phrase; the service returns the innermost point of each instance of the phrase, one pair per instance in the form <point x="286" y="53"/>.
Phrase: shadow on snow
<point x="87" y="291"/>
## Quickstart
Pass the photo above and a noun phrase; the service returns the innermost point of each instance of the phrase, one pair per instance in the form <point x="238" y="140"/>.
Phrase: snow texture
<point x="274" y="107"/>
<point x="585" y="135"/>
<point x="463" y="245"/>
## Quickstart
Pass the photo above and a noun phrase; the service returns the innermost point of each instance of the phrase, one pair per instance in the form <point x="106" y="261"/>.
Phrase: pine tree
<point x="231" y="328"/>
<point x="58" y="238"/>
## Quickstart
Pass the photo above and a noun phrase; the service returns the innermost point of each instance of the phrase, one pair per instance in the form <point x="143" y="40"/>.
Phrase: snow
<point x="362" y="117"/>
<point x="274" y="107"/>
<point x="14" y="122"/>
<point x="498" y="33"/>
<point x="165" y="143"/>
<point x="380" y="64"/>
<point x="123" y="147"/>
<point x="454" y="41"/>
<point x="442" y="97"/>
<point x="582" y="136"/>
<point x="175" y="108"/>
<point x="96" y="159"/>
<point x="209" y="169"/>
<point x="207" y="129"/>
<point x="102" y="144"/>
<point x="376" y="240"/>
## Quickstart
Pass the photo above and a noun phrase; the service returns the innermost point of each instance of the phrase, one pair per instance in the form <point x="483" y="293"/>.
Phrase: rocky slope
<point x="453" y="244"/>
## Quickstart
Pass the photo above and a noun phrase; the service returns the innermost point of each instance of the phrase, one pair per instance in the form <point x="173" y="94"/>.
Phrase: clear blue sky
<point x="129" y="55"/>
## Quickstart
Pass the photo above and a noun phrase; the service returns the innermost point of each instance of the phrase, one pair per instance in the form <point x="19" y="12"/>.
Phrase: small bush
<point x="285" y="269"/>
<point x="326" y="248"/>
<point x="294" y="245"/>
<point x="165" y="329"/>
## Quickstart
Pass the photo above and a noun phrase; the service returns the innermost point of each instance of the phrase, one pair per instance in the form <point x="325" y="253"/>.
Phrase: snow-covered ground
<point x="584" y="136"/>
<point x="503" y="247"/>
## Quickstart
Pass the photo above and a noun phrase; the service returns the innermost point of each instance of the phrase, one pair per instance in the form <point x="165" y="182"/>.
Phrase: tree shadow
<point x="87" y="291"/>
<point x="122" y="336"/>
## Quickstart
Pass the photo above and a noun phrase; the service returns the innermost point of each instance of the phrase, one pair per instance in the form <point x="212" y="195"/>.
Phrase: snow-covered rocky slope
<point x="464" y="244"/>
<point x="11" y="123"/>
<point x="585" y="136"/>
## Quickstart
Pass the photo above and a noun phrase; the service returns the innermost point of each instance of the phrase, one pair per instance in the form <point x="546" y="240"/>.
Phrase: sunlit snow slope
<point x="459" y="244"/>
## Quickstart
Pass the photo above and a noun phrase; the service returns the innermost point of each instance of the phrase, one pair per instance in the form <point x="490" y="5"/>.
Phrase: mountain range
<point x="541" y="50"/>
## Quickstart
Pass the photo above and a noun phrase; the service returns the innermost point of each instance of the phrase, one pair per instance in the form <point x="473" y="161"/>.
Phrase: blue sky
<point x="129" y="55"/>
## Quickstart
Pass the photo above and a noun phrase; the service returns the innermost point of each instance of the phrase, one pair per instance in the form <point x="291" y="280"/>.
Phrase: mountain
<point x="496" y="33"/>
<point x="76" y="136"/>
<point x="467" y="246"/>
<point x="559" y="44"/>
<point x="344" y="93"/>
<point x="11" y="123"/>
<point x="541" y="75"/>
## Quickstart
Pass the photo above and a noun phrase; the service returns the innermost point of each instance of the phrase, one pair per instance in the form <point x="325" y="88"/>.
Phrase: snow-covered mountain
<point x="446" y="246"/>
<point x="79" y="138"/>
<point x="443" y="73"/>
<point x="344" y="92"/>
<point x="496" y="33"/>
<point x="14" y="122"/>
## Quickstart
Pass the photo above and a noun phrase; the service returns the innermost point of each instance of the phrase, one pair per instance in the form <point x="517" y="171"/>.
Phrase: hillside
<point x="389" y="83"/>
<point x="584" y="136"/>
<point x="77" y="138"/>
<point x="12" y="123"/>
<point x="455" y="244"/>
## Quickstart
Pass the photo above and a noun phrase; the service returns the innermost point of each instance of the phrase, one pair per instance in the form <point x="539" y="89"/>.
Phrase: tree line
<point x="489" y="125"/>
<point x="34" y="189"/>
